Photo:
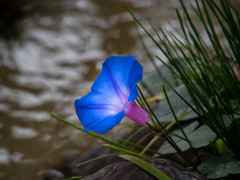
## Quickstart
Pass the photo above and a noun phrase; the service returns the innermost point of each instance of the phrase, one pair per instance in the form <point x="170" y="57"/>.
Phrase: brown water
<point x="54" y="58"/>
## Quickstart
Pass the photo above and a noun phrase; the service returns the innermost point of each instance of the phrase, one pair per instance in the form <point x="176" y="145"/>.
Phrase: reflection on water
<point x="53" y="61"/>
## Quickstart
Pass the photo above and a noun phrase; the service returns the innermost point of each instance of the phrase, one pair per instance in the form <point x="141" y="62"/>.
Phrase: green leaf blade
<point x="219" y="166"/>
<point x="146" y="166"/>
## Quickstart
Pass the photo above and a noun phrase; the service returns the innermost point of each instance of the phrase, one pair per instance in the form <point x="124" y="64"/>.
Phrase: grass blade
<point x="96" y="158"/>
<point x="146" y="166"/>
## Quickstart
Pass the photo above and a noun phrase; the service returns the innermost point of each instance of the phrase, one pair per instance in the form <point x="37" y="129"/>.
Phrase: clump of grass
<point x="211" y="75"/>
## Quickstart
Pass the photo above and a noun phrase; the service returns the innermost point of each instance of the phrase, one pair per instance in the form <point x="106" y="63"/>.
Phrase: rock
<point x="50" y="174"/>
<point x="70" y="169"/>
<point x="128" y="171"/>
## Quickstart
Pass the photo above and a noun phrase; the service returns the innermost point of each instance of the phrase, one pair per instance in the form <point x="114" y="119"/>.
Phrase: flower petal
<point x="115" y="78"/>
<point x="106" y="124"/>
<point x="94" y="107"/>
<point x="136" y="76"/>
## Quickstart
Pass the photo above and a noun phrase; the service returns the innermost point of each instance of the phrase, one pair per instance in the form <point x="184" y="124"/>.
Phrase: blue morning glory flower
<point x="112" y="96"/>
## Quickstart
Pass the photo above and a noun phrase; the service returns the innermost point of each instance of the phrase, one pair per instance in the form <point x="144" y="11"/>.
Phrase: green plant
<point x="209" y="74"/>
